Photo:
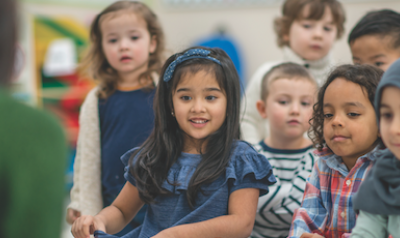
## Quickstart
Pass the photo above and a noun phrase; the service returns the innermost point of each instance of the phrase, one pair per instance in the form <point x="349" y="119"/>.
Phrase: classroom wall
<point x="252" y="28"/>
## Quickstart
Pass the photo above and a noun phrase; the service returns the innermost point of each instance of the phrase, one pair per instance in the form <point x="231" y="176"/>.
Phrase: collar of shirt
<point x="335" y="162"/>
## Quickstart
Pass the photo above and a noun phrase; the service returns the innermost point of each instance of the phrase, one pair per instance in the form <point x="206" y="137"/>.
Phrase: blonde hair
<point x="95" y="63"/>
<point x="284" y="71"/>
<point x="293" y="10"/>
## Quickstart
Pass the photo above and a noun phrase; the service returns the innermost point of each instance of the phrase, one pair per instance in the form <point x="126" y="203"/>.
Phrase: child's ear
<point x="262" y="108"/>
<point x="285" y="38"/>
<point x="153" y="44"/>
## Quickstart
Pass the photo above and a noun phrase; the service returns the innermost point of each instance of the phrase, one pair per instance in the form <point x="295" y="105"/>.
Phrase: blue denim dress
<point x="246" y="169"/>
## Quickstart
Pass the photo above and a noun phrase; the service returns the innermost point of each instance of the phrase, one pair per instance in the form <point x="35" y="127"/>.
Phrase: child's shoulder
<point x="241" y="147"/>
<point x="246" y="160"/>
<point x="244" y="155"/>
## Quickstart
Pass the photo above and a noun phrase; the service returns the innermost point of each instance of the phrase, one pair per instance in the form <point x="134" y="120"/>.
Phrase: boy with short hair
<point x="287" y="95"/>
<point x="306" y="31"/>
<point x="375" y="39"/>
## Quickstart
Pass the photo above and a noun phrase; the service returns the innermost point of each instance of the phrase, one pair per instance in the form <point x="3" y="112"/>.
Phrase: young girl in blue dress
<point x="195" y="175"/>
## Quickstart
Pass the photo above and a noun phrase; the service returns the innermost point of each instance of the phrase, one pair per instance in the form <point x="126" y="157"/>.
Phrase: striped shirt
<point x="275" y="209"/>
<point x="327" y="207"/>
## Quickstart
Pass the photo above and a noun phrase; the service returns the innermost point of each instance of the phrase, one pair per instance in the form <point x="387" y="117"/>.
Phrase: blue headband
<point x="190" y="54"/>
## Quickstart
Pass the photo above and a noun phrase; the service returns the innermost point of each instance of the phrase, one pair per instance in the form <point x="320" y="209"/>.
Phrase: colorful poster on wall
<point x="59" y="44"/>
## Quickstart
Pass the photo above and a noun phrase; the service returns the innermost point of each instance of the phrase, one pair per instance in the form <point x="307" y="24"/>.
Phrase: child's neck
<point x="193" y="146"/>
<point x="287" y="144"/>
<point x="350" y="161"/>
<point x="130" y="79"/>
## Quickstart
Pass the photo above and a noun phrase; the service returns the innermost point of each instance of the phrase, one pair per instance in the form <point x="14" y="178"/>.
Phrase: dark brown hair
<point x="8" y="37"/>
<point x="95" y="60"/>
<point x="293" y="10"/>
<point x="366" y="76"/>
<point x="287" y="71"/>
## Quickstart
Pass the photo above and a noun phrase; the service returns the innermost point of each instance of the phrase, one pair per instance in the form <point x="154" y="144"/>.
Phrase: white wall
<point x="252" y="28"/>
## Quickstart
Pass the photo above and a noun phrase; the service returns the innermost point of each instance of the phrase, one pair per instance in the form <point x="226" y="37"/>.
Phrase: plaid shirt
<point x="327" y="207"/>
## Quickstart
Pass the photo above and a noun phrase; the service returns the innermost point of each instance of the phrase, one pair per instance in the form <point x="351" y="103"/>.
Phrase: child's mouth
<point x="293" y="122"/>
<point x="125" y="58"/>
<point x="339" y="138"/>
<point x="316" y="47"/>
<point x="199" y="121"/>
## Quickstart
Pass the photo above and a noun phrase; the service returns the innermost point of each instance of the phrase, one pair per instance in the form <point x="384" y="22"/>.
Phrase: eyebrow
<point x="206" y="89"/>
<point x="355" y="104"/>
<point x="384" y="105"/>
<point x="115" y="33"/>
<point x="377" y="56"/>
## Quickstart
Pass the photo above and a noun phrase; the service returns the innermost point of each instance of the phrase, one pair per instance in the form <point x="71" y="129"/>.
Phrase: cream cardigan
<point x="86" y="192"/>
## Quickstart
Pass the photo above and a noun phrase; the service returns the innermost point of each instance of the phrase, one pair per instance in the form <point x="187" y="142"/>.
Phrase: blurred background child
<point x="375" y="39"/>
<point x="306" y="31"/>
<point x="125" y="57"/>
<point x="33" y="152"/>
<point x="344" y="131"/>
<point x="195" y="175"/>
<point x="287" y="96"/>
<point x="378" y="198"/>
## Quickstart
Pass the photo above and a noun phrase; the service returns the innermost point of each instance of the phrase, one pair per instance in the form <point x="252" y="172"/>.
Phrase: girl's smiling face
<point x="350" y="128"/>
<point x="199" y="106"/>
<point x="390" y="119"/>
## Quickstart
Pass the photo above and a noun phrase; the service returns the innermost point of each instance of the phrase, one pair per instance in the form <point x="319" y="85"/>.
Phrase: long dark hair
<point x="8" y="29"/>
<point x="366" y="76"/>
<point x="165" y="144"/>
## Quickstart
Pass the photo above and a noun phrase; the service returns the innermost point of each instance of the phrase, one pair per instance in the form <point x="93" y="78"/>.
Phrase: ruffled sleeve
<point x="249" y="169"/>
<point x="125" y="160"/>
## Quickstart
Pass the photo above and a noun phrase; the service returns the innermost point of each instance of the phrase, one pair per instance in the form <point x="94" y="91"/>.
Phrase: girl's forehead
<point x="319" y="13"/>
<point x="342" y="91"/>
<point x="123" y="13"/>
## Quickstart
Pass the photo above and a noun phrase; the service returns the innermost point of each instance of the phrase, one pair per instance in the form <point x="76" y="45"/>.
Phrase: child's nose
<point x="395" y="126"/>
<point x="295" y="109"/>
<point x="337" y="120"/>
<point x="318" y="32"/>
<point x="124" y="44"/>
<point x="198" y="106"/>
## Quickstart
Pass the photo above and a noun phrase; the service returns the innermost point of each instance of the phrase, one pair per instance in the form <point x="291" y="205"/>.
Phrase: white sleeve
<point x="253" y="127"/>
<point x="86" y="191"/>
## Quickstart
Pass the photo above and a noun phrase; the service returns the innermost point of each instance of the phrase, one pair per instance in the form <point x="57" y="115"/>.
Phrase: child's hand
<point x="309" y="235"/>
<point x="72" y="215"/>
<point x="84" y="226"/>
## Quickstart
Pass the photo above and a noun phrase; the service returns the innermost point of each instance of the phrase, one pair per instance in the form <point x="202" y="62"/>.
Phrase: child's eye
<point x="282" y="102"/>
<point x="327" y="28"/>
<point x="186" y="98"/>
<point x="328" y="115"/>
<point x="305" y="103"/>
<point x="353" y="114"/>
<point x="112" y="40"/>
<point x="378" y="64"/>
<point x="135" y="37"/>
<point x="211" y="98"/>
<point x="307" y="26"/>
<point x="386" y="116"/>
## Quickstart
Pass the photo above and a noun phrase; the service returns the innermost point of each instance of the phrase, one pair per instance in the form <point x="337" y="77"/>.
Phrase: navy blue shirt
<point x="126" y="120"/>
